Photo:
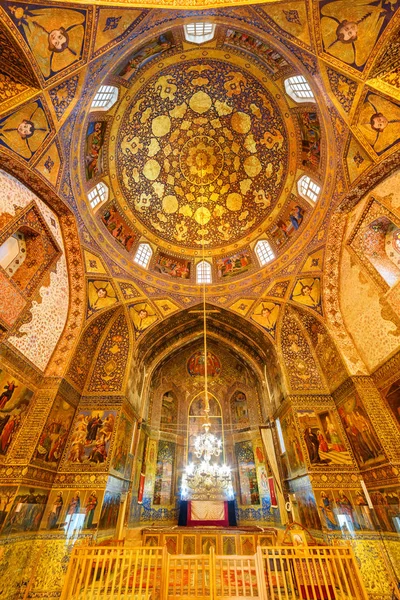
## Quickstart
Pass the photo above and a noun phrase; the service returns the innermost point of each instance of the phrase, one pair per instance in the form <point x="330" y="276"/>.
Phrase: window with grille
<point x="299" y="89"/>
<point x="203" y="272"/>
<point x="308" y="188"/>
<point x="98" y="194"/>
<point x="143" y="255"/>
<point x="105" y="97"/>
<point x="200" y="32"/>
<point x="264" y="252"/>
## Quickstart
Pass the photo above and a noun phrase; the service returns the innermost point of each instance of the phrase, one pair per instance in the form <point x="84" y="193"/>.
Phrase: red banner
<point x="141" y="488"/>
<point x="271" y="485"/>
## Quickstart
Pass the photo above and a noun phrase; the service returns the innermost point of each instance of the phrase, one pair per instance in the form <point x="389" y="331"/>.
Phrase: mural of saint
<point x="327" y="511"/>
<point x="26" y="511"/>
<point x="379" y="122"/>
<point x="239" y="408"/>
<point x="118" y="228"/>
<point x="94" y="148"/>
<point x="350" y="30"/>
<point x="169" y="409"/>
<point x="143" y="315"/>
<point x="55" y="35"/>
<point x="14" y="402"/>
<point x="196" y="364"/>
<point x="91" y="436"/>
<point x="24" y="130"/>
<point x="55" y="511"/>
<point x="101" y="294"/>
<point x="55" y="432"/>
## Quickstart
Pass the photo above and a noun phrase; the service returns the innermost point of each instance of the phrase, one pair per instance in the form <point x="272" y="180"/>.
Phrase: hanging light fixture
<point x="204" y="480"/>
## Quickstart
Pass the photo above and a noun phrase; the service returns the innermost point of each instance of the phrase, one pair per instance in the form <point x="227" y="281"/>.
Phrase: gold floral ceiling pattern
<point x="196" y="159"/>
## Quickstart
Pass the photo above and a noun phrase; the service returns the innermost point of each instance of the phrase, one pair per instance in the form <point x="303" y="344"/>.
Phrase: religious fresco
<point x="24" y="130"/>
<point x="233" y="265"/>
<point x="379" y="122"/>
<point x="118" y="227"/>
<point x="163" y="484"/>
<point x="323" y="438"/>
<point x="144" y="54"/>
<point x="266" y="314"/>
<point x="239" y="409"/>
<point x="307" y="508"/>
<point x="196" y="366"/>
<point x="310" y="130"/>
<point x="72" y="510"/>
<point x="54" y="34"/>
<point x="90" y="438"/>
<point x="196" y="419"/>
<point x="254" y="45"/>
<point x="55" y="433"/>
<point x="307" y="292"/>
<point x="94" y="142"/>
<point x="288" y="223"/>
<point x="386" y="503"/>
<point x="27" y="510"/>
<point x="122" y="446"/>
<point x="348" y="510"/>
<point x="172" y="266"/>
<point x="142" y="316"/>
<point x="7" y="494"/>
<point x="360" y="432"/>
<point x="15" y="399"/>
<point x="101" y="294"/>
<point x="161" y="189"/>
<point x="351" y="30"/>
<point x="392" y="397"/>
<point x="169" y="411"/>
<point x="296" y="461"/>
<point x="249" y="493"/>
<point x="109" y="510"/>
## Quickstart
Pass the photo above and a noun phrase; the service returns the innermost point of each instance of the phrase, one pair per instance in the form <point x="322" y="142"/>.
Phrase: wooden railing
<point x="273" y="573"/>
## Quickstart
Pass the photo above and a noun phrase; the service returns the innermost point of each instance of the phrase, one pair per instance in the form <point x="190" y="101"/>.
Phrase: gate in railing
<point x="273" y="573"/>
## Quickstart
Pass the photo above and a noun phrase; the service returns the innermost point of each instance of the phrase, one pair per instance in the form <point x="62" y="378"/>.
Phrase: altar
<point x="199" y="540"/>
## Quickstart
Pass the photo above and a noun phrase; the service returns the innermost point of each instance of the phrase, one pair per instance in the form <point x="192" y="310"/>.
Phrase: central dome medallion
<point x="201" y="153"/>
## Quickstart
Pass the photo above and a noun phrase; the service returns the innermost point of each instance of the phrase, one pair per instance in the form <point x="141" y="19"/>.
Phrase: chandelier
<point x="204" y="480"/>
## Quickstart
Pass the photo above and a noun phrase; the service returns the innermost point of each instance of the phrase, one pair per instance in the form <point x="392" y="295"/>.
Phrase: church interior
<point x="200" y="298"/>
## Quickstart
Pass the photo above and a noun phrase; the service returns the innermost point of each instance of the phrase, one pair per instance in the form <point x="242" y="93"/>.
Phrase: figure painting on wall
<point x="150" y="50"/>
<point x="350" y="30"/>
<point x="254" y="45"/>
<point x="55" y="432"/>
<point x="169" y="411"/>
<point x="233" y="265"/>
<point x="7" y="494"/>
<point x="95" y="135"/>
<point x="365" y="516"/>
<point x="249" y="493"/>
<point x="55" y="35"/>
<point x="101" y="294"/>
<point x="310" y="139"/>
<point x="172" y="266"/>
<point x="288" y="223"/>
<point x="164" y="473"/>
<point x="109" y="510"/>
<point x="360" y="432"/>
<point x="123" y="440"/>
<point x="118" y="228"/>
<point x="266" y="314"/>
<point x="196" y="366"/>
<point x="307" y="291"/>
<point x="307" y="508"/>
<point x="56" y="508"/>
<point x="91" y="437"/>
<point x="27" y="510"/>
<point x="14" y="403"/>
<point x="239" y="409"/>
<point x="326" y="508"/>
<point x="379" y="122"/>
<point x="386" y="503"/>
<point x="392" y="397"/>
<point x="91" y="503"/>
<point x="292" y="445"/>
<point x="143" y="315"/>
<point x="25" y="129"/>
<point x="322" y="437"/>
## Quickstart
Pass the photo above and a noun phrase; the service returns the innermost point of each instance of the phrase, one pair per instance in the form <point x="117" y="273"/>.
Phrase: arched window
<point x="299" y="89"/>
<point x="98" y="194"/>
<point x="143" y="255"/>
<point x="105" y="97"/>
<point x="199" y="32"/>
<point x="308" y="189"/>
<point x="203" y="272"/>
<point x="264" y="252"/>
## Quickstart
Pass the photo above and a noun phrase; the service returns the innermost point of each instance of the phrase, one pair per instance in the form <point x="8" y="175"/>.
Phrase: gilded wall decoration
<point x="307" y="291"/>
<point x="169" y="411"/>
<point x="24" y="130"/>
<point x="14" y="60"/>
<point x="50" y="164"/>
<point x="100" y="294"/>
<point x="63" y="94"/>
<point x="242" y="306"/>
<point x="90" y="439"/>
<point x="54" y="34"/>
<point x="94" y="152"/>
<point x="54" y="435"/>
<point x="239" y="409"/>
<point x="259" y="48"/>
<point x="292" y="19"/>
<point x="278" y="290"/>
<point x="166" y="306"/>
<point x="15" y="400"/>
<point x="82" y="360"/>
<point x="164" y="482"/>
<point x="7" y="494"/>
<point x="392" y="397"/>
<point x="350" y="31"/>
<point x="357" y="159"/>
<point x="112" y="25"/>
<point x="142" y="316"/>
<point x="294" y="452"/>
<point x="145" y="53"/>
<point x="120" y="229"/>
<point x="323" y="438"/>
<point x="343" y="88"/>
<point x="12" y="92"/>
<point x="129" y="290"/>
<point x="379" y="122"/>
<point x="27" y="510"/>
<point x="314" y="261"/>
<point x="310" y="131"/>
<point x="249" y="492"/>
<point x="266" y="314"/>
<point x="94" y="264"/>
<point x="109" y="369"/>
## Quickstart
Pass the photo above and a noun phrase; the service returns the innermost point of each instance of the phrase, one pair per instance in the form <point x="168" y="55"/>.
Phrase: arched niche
<point x="197" y="418"/>
<point x="239" y="410"/>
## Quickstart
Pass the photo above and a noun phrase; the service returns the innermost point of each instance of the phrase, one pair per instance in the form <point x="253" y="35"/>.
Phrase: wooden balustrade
<point x="273" y="573"/>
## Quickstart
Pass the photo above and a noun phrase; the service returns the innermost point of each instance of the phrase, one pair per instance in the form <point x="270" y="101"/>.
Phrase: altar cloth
<point x="207" y="512"/>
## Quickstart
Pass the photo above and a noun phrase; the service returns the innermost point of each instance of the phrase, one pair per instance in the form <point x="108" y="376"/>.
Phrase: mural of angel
<point x="380" y="122"/>
<point x="350" y="30"/>
<point x="266" y="315"/>
<point x="143" y="315"/>
<point x="24" y="130"/>
<point x="55" y="35"/>
<point x="101" y="294"/>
